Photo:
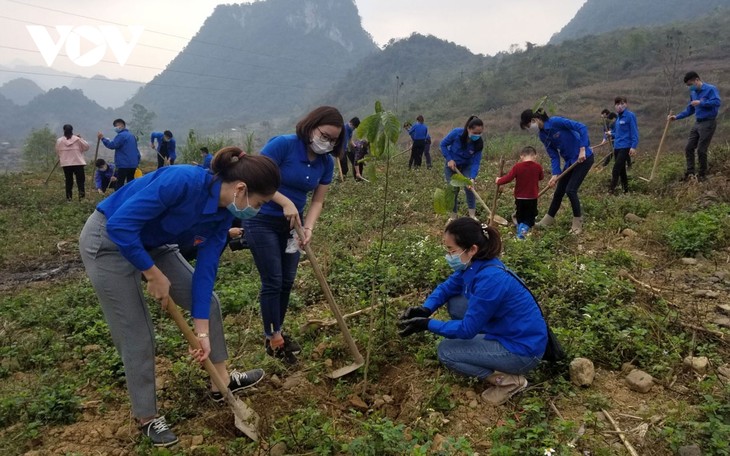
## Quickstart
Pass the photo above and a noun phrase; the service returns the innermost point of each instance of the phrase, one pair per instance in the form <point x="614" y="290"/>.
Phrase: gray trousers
<point x="699" y="138"/>
<point x="118" y="285"/>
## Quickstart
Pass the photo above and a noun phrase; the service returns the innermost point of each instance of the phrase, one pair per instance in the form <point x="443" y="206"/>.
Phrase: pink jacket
<point x="71" y="151"/>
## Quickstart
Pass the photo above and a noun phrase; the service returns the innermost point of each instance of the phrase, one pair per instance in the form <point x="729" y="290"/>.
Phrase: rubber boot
<point x="506" y="386"/>
<point x="546" y="221"/>
<point x="577" y="226"/>
<point x="473" y="214"/>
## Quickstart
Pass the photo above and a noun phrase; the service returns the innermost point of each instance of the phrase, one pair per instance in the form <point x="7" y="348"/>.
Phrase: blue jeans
<point x="267" y="237"/>
<point x="479" y="357"/>
<point x="471" y="201"/>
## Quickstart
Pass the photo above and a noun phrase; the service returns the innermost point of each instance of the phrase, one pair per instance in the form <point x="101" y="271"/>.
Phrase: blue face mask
<point x="118" y="129"/>
<point x="475" y="138"/>
<point x="693" y="88"/>
<point x="245" y="213"/>
<point x="454" y="261"/>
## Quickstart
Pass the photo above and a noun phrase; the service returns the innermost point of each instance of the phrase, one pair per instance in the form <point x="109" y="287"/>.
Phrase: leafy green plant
<point x="700" y="232"/>
<point x="38" y="151"/>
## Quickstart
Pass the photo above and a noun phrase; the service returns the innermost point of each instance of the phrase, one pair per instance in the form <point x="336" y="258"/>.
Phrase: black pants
<point x="569" y="185"/>
<point x="419" y="145"/>
<point x="427" y="154"/>
<point x="347" y="157"/>
<point x="699" y="138"/>
<point x="526" y="211"/>
<point x="161" y="160"/>
<point x="68" y="173"/>
<point x="621" y="157"/>
<point x="124" y="175"/>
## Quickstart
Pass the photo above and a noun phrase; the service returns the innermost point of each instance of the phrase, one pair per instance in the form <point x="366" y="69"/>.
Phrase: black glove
<point x="412" y="326"/>
<point x="414" y="312"/>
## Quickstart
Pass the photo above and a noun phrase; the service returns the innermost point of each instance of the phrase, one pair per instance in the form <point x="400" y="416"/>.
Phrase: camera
<point x="238" y="243"/>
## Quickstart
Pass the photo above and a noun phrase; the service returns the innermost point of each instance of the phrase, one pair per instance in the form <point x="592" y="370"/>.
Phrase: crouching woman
<point x="496" y="332"/>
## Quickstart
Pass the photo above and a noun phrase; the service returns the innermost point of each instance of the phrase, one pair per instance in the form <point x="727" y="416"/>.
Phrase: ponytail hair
<point x="471" y="122"/>
<point x="68" y="131"/>
<point x="260" y="173"/>
<point x="468" y="232"/>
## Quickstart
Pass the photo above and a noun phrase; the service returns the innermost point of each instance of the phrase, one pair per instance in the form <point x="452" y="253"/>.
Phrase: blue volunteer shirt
<point x="500" y="307"/>
<point x="709" y="105"/>
<point x="173" y="205"/>
<point x="418" y="131"/>
<point x="126" y="153"/>
<point x="299" y="175"/>
<point x="563" y="138"/>
<point x="171" y="144"/>
<point x="207" y="160"/>
<point x="626" y="131"/>
<point x="469" y="154"/>
<point x="99" y="174"/>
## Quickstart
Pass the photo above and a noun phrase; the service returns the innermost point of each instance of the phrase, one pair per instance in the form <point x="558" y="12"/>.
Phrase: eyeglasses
<point x="326" y="137"/>
<point x="452" y="251"/>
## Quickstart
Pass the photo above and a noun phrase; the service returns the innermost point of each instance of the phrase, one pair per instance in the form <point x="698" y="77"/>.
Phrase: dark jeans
<point x="699" y="138"/>
<point x="105" y="181"/>
<point x="427" y="154"/>
<point x="417" y="153"/>
<point x="569" y="185"/>
<point x="347" y="157"/>
<point x="465" y="169"/>
<point x="267" y="237"/>
<point x="124" y="175"/>
<point x="68" y="173"/>
<point x="526" y="211"/>
<point x="619" y="169"/>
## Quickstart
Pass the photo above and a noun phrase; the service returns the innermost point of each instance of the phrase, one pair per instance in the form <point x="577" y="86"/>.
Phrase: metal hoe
<point x="659" y="151"/>
<point x="359" y="360"/>
<point x="246" y="419"/>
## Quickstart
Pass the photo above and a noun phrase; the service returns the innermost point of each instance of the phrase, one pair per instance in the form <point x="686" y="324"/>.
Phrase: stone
<point x="712" y="294"/>
<point x="628" y="232"/>
<point x="279" y="449"/>
<point x="379" y="402"/>
<point x="639" y="381"/>
<point x="724" y="371"/>
<point x="275" y="380"/>
<point x="697" y="363"/>
<point x="582" y="372"/>
<point x="437" y="444"/>
<point x="197" y="440"/>
<point x="388" y="399"/>
<point x="689" y="450"/>
<point x="474" y="404"/>
<point x="722" y="275"/>
<point x="358" y="403"/>
<point x="471" y="394"/>
<point x="723" y="308"/>
<point x="633" y="218"/>
<point x="722" y="321"/>
<point x="627" y="367"/>
<point x="292" y="381"/>
<point x="689" y="261"/>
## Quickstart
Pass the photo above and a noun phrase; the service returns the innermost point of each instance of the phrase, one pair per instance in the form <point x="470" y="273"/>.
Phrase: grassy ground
<point x="62" y="387"/>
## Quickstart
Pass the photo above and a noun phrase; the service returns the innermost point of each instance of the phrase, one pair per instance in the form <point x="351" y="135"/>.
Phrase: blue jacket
<point x="173" y="205"/>
<point x="563" y="138"/>
<point x="463" y="154"/>
<point x="418" y="131"/>
<point x="206" y="161"/>
<point x="348" y="135"/>
<point x="625" y="131"/>
<point x="709" y="103"/>
<point x="158" y="135"/>
<point x="500" y="307"/>
<point x="99" y="174"/>
<point x="126" y="153"/>
<point x="299" y="176"/>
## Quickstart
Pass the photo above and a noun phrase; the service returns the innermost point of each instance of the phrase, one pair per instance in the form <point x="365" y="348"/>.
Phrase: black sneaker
<point x="291" y="346"/>
<point x="159" y="432"/>
<point x="239" y="381"/>
<point x="287" y="356"/>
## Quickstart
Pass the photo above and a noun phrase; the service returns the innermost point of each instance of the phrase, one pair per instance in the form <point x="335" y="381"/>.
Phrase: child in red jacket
<point x="527" y="173"/>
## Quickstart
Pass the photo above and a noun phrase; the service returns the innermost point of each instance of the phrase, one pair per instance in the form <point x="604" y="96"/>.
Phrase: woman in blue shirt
<point x="566" y="139"/>
<point x="418" y="133"/>
<point x="135" y="233"/>
<point x="306" y="164"/>
<point x="496" y="332"/>
<point x="462" y="149"/>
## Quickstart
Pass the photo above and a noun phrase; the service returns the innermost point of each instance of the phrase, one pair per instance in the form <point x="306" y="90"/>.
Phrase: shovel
<point x="658" y="151"/>
<point x="560" y="176"/>
<point x="496" y="194"/>
<point x="315" y="324"/>
<point x="96" y="152"/>
<point x="51" y="173"/>
<point x="359" y="360"/>
<point x="500" y="220"/>
<point x="246" y="419"/>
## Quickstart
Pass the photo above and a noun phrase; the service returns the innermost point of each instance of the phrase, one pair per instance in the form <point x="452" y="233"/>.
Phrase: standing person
<point x="348" y="146"/>
<point x="165" y="148"/>
<point x="70" y="149"/>
<point x="497" y="332"/>
<point x="704" y="104"/>
<point x="527" y="173"/>
<point x="427" y="152"/>
<point x="608" y="118"/>
<point x="104" y="175"/>
<point x="625" y="141"/>
<point x="135" y="233"/>
<point x="418" y="133"/>
<point x="462" y="149"/>
<point x="126" y="153"/>
<point x="306" y="166"/>
<point x="566" y="139"/>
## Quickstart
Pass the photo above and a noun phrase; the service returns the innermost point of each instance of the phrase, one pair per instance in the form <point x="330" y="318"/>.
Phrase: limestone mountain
<point x="257" y="61"/>
<point x="20" y="91"/>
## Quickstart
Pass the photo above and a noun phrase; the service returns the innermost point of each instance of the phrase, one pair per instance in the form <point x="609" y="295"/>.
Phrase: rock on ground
<point x="640" y="381"/>
<point x="582" y="372"/>
<point x="697" y="363"/>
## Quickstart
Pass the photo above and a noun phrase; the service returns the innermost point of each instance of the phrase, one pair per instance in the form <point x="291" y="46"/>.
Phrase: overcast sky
<point x="486" y="27"/>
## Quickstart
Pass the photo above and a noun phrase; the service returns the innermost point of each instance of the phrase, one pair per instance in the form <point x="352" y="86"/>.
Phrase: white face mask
<point x="534" y="127"/>
<point x="320" y="146"/>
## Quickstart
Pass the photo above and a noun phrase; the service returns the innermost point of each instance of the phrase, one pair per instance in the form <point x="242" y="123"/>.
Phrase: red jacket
<point x="528" y="174"/>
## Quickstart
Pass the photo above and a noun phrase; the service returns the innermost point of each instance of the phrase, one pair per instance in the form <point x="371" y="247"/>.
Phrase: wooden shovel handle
<point x="560" y="176"/>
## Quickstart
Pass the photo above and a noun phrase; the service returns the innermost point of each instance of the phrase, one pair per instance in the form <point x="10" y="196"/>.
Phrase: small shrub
<point x="700" y="232"/>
